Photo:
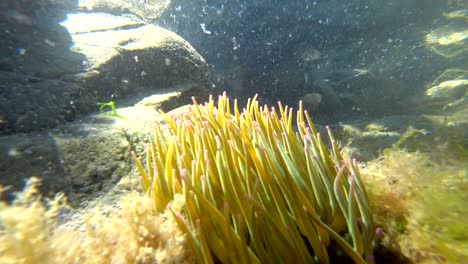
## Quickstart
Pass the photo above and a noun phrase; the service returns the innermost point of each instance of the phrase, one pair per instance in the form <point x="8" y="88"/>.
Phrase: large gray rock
<point x="129" y="58"/>
<point x="50" y="75"/>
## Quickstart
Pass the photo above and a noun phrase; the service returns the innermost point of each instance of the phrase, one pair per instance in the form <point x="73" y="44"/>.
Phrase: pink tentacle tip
<point x="169" y="206"/>
<point x="132" y="152"/>
<point x="198" y="221"/>
<point x="183" y="173"/>
<point x="378" y="231"/>
<point x="202" y="178"/>
<point x="226" y="204"/>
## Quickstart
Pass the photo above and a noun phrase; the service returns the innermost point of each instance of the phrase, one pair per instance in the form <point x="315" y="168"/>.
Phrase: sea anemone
<point x="256" y="190"/>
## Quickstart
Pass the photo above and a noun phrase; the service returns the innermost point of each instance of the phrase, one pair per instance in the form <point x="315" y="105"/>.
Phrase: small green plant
<point x="113" y="111"/>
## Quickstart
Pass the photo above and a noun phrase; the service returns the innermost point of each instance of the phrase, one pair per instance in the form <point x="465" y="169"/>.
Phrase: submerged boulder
<point x="52" y="73"/>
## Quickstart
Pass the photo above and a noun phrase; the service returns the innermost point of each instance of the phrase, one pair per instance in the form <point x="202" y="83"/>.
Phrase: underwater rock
<point x="126" y="58"/>
<point x="458" y="14"/>
<point x="448" y="90"/>
<point x="306" y="53"/>
<point x="448" y="40"/>
<point x="458" y="104"/>
<point x="82" y="158"/>
<point x="53" y="75"/>
<point x="459" y="120"/>
<point x="311" y="101"/>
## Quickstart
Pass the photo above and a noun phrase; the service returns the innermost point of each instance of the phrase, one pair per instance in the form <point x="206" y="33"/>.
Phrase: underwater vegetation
<point x="111" y="105"/>
<point x="419" y="199"/>
<point x="31" y="231"/>
<point x="255" y="190"/>
<point x="26" y="224"/>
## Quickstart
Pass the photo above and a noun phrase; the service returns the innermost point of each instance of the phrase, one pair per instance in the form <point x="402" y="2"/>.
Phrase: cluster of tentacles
<point x="256" y="190"/>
